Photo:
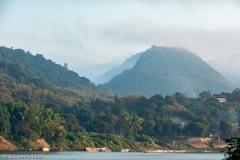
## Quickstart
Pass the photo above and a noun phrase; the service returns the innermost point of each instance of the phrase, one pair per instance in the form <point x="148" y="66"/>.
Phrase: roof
<point x="219" y="95"/>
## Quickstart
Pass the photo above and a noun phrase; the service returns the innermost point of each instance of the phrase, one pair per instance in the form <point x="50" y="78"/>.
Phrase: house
<point x="221" y="97"/>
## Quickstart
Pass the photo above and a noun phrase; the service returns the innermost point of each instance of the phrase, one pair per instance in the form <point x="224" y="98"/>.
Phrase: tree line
<point x="134" y="117"/>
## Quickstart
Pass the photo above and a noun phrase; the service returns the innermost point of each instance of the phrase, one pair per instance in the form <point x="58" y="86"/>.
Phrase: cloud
<point x="229" y="67"/>
<point x="207" y="44"/>
<point x="93" y="35"/>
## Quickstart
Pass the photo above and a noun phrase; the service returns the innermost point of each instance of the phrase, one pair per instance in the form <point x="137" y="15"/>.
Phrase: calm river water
<point x="79" y="155"/>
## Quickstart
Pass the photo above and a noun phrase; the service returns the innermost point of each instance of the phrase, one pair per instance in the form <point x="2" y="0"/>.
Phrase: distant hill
<point x="228" y="66"/>
<point x="35" y="80"/>
<point x="56" y="73"/>
<point x="167" y="70"/>
<point x="127" y="64"/>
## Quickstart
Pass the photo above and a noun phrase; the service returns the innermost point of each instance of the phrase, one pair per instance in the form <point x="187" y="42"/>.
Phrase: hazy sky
<point x="93" y="36"/>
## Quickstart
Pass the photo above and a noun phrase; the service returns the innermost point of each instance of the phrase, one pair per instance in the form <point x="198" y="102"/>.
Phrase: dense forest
<point x="57" y="74"/>
<point x="73" y="116"/>
<point x="167" y="70"/>
<point x="26" y="77"/>
<point x="121" y="122"/>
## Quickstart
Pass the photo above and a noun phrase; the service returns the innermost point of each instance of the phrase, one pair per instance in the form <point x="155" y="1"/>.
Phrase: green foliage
<point x="142" y="138"/>
<point x="37" y="80"/>
<point x="205" y="95"/>
<point x="167" y="70"/>
<point x="33" y="106"/>
<point x="55" y="73"/>
<point x="178" y="146"/>
<point x="232" y="151"/>
<point x="236" y="95"/>
<point x="33" y="122"/>
<point x="228" y="128"/>
<point x="4" y="120"/>
<point x="117" y="124"/>
<point x="198" y="127"/>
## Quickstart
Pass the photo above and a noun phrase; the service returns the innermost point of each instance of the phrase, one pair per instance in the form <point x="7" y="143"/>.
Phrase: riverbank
<point x="115" y="144"/>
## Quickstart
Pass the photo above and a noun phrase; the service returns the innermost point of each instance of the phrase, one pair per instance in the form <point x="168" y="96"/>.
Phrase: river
<point x="80" y="155"/>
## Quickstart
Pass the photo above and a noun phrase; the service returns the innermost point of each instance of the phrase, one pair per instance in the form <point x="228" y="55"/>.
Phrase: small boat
<point x="56" y="149"/>
<point x="153" y="151"/>
<point x="29" y="149"/>
<point x="105" y="150"/>
<point x="44" y="149"/>
<point x="124" y="150"/>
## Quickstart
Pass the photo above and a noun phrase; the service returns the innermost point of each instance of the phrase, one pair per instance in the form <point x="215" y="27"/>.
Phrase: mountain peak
<point x="167" y="70"/>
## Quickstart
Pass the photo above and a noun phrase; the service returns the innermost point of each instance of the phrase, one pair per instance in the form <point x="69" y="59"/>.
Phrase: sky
<point x="94" y="36"/>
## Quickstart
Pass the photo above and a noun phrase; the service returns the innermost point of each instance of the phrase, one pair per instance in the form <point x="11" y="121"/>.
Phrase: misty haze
<point x="156" y="77"/>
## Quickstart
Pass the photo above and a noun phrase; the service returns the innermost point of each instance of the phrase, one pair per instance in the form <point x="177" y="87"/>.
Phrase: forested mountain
<point x="33" y="106"/>
<point x="35" y="80"/>
<point x="166" y="70"/>
<point x="127" y="64"/>
<point x="48" y="69"/>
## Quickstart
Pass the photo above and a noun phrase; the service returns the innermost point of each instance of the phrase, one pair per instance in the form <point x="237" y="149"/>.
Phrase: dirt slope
<point x="6" y="145"/>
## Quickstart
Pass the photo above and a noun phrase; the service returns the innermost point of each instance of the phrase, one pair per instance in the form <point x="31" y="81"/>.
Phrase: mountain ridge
<point x="174" y="69"/>
<point x="36" y="80"/>
<point x="109" y="74"/>
<point x="44" y="68"/>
